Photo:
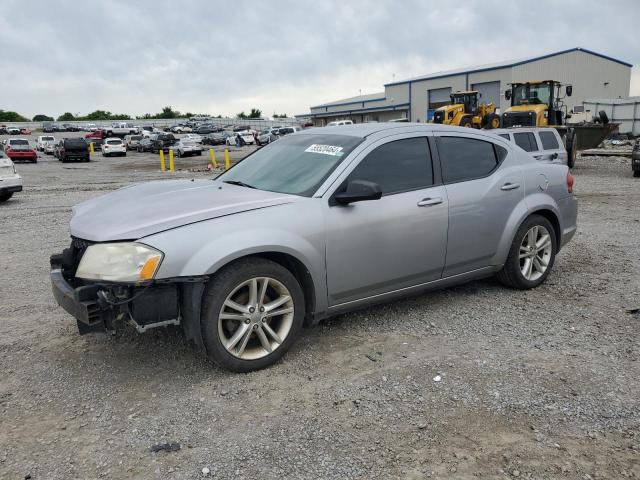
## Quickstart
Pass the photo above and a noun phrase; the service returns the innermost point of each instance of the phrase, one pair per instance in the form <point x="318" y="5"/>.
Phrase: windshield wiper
<point x="238" y="182"/>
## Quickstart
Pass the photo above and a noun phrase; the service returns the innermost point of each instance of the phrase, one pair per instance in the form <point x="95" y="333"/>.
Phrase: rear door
<point x="552" y="147"/>
<point x="483" y="187"/>
<point x="378" y="246"/>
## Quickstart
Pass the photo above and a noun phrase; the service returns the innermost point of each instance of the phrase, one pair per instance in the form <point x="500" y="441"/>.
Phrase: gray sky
<point x="220" y="57"/>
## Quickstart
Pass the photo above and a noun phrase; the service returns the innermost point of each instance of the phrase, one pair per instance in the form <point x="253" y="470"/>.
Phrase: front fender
<point x="203" y="248"/>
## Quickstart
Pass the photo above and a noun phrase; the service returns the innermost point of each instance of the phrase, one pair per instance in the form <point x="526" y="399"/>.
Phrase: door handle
<point x="510" y="186"/>
<point x="428" y="202"/>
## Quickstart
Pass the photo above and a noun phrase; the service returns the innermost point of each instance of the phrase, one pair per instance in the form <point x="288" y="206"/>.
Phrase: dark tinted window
<point x="526" y="141"/>
<point x="397" y="166"/>
<point x="466" y="158"/>
<point x="505" y="136"/>
<point x="549" y="141"/>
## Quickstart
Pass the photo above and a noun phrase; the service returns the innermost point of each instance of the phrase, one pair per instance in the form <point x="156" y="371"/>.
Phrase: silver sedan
<point x="318" y="223"/>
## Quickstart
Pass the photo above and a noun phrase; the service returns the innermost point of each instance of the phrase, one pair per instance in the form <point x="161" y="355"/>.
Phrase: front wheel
<point x="466" y="122"/>
<point x="531" y="255"/>
<point x="253" y="311"/>
<point x="6" y="196"/>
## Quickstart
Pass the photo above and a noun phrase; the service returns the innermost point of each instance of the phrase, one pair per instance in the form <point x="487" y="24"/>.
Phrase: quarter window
<point x="467" y="158"/>
<point x="526" y="141"/>
<point x="549" y="141"/>
<point x="397" y="166"/>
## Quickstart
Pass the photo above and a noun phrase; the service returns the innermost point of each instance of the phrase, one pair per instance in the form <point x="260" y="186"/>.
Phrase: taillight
<point x="570" y="182"/>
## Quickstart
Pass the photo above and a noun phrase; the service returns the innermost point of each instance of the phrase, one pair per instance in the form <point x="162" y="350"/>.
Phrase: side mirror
<point x="358" y="191"/>
<point x="507" y="94"/>
<point x="569" y="90"/>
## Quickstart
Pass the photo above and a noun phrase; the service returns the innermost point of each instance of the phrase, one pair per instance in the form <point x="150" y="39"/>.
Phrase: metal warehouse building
<point x="593" y="75"/>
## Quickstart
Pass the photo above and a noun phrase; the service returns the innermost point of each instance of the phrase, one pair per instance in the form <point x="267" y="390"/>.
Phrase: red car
<point x="97" y="134"/>
<point x="19" y="150"/>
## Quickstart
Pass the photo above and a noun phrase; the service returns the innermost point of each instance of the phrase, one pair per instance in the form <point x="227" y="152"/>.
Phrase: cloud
<point x="279" y="56"/>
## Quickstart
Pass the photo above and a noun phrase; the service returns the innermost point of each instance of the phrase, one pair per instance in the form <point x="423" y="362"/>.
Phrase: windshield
<point x="528" y="94"/>
<point x="19" y="142"/>
<point x="114" y="142"/>
<point x="297" y="164"/>
<point x="48" y="139"/>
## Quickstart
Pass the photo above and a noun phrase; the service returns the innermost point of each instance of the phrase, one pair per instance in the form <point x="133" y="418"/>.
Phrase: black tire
<point x="6" y="196"/>
<point x="199" y="153"/>
<point x="572" y="149"/>
<point x="510" y="275"/>
<point x="466" y="122"/>
<point x="178" y="154"/>
<point x="603" y="117"/>
<point x="215" y="295"/>
<point x="636" y="173"/>
<point x="492" y="121"/>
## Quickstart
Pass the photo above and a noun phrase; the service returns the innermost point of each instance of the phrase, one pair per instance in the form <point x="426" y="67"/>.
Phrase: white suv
<point x="113" y="146"/>
<point x="10" y="181"/>
<point x="545" y="144"/>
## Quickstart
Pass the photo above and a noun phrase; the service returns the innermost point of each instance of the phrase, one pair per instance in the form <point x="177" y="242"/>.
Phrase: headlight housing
<point x="119" y="262"/>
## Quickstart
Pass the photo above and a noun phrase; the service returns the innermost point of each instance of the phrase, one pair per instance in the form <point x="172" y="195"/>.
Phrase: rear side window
<point x="467" y="158"/>
<point x="505" y="136"/>
<point x="526" y="141"/>
<point x="549" y="141"/>
<point x="398" y="166"/>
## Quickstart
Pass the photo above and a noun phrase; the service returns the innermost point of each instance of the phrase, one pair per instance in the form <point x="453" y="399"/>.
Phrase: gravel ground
<point x="539" y="384"/>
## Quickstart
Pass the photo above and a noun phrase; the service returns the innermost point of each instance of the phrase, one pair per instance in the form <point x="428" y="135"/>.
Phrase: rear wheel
<point x="6" y="196"/>
<point x="466" y="122"/>
<point x="531" y="255"/>
<point x="572" y="149"/>
<point x="493" y="121"/>
<point x="636" y="173"/>
<point x="253" y="311"/>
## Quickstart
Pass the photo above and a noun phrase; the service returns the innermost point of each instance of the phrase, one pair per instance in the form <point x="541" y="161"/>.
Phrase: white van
<point x="339" y="122"/>
<point x="43" y="140"/>
<point x="545" y="144"/>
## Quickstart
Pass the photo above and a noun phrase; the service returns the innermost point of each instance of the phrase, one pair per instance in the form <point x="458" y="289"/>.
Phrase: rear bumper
<point x="23" y="157"/>
<point x="569" y="221"/>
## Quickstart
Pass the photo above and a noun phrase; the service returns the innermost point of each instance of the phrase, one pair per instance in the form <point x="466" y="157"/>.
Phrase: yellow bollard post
<point x="91" y="150"/>
<point x="214" y="162"/>
<point x="162" y="166"/>
<point x="227" y="165"/>
<point x="171" y="169"/>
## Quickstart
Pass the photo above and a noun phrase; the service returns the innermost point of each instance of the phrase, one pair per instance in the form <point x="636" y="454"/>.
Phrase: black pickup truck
<point x="162" y="141"/>
<point x="73" y="149"/>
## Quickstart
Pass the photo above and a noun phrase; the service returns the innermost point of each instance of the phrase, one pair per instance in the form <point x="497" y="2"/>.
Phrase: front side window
<point x="398" y="166"/>
<point x="295" y="164"/>
<point x="467" y="158"/>
<point x="549" y="141"/>
<point x="526" y="141"/>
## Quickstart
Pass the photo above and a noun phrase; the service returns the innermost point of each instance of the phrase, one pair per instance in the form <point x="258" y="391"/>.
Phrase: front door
<point x="378" y="246"/>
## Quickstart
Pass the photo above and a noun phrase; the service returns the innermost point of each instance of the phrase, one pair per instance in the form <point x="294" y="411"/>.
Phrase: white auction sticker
<point x="325" y="150"/>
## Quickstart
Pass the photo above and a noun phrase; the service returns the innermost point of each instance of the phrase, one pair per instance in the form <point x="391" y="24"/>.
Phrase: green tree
<point x="279" y="115"/>
<point x="65" y="117"/>
<point x="42" y="118"/>
<point x="241" y="115"/>
<point x="8" y="116"/>
<point x="255" y="113"/>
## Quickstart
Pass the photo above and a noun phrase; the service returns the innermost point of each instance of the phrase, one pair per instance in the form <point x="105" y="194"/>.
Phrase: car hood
<point x="143" y="209"/>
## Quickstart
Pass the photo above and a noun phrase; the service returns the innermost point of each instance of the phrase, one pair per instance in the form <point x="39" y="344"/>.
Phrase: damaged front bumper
<point x="103" y="306"/>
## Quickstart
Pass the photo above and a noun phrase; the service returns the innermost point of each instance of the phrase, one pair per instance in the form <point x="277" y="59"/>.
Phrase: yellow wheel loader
<point x="464" y="111"/>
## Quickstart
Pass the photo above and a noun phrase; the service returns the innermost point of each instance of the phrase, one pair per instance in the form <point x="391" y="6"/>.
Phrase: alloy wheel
<point x="535" y="253"/>
<point x="255" y="318"/>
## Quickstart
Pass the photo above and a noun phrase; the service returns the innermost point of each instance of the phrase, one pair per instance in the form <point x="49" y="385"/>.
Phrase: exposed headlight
<point x="119" y="262"/>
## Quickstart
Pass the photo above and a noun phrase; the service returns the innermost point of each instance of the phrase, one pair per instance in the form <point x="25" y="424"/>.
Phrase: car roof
<point x="522" y="129"/>
<point x="365" y="129"/>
